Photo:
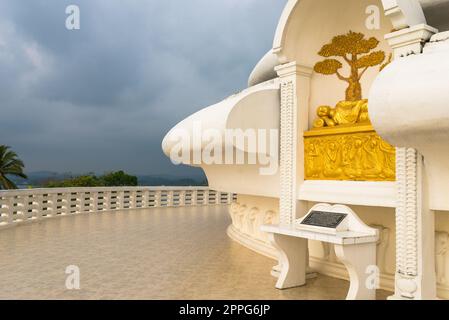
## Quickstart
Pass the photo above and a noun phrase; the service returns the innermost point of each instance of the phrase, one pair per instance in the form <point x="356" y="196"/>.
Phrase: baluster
<point x="80" y="196"/>
<point x="170" y="195"/>
<point x="94" y="195"/>
<point x="121" y="200"/>
<point x="217" y="197"/>
<point x="27" y="215"/>
<point x="133" y="199"/>
<point x="20" y="208"/>
<point x="53" y="204"/>
<point x="10" y="204"/>
<point x="182" y="198"/>
<point x="206" y="199"/>
<point x="145" y="199"/>
<point x="68" y="203"/>
<point x="157" y="198"/>
<point x="39" y="199"/>
<point x="194" y="196"/>
<point x="107" y="200"/>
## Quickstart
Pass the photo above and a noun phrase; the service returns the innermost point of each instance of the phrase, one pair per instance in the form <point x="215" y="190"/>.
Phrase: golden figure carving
<point x="353" y="153"/>
<point x="355" y="50"/>
<point x="343" y="145"/>
<point x="345" y="112"/>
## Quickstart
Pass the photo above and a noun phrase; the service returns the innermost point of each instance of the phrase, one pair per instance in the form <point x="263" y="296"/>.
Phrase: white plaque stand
<point x="355" y="246"/>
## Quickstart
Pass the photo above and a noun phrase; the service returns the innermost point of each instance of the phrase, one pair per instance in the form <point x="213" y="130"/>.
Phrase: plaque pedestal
<point x="355" y="247"/>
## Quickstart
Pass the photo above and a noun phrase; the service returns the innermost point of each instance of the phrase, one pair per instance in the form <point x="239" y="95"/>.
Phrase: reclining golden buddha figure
<point x="345" y="112"/>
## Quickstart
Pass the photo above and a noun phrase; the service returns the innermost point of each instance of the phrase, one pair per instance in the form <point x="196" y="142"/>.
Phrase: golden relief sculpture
<point x="342" y="144"/>
<point x="360" y="155"/>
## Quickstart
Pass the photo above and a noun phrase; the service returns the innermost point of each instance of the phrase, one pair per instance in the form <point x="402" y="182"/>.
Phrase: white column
<point x="415" y="222"/>
<point x="415" y="230"/>
<point x="295" y="87"/>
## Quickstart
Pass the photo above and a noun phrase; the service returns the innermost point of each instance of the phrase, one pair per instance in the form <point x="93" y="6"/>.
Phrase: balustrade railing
<point x="19" y="206"/>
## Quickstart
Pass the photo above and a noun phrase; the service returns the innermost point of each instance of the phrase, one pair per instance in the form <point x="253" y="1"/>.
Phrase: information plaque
<point x="324" y="219"/>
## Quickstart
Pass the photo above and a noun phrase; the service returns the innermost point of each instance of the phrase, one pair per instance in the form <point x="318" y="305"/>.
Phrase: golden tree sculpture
<point x="355" y="50"/>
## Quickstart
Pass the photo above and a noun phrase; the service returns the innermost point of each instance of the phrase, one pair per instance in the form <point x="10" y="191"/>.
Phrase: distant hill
<point x="166" y="180"/>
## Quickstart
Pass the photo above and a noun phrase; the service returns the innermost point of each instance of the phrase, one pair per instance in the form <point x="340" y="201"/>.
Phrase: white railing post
<point x="10" y="205"/>
<point x="68" y="203"/>
<point x="53" y="204"/>
<point x="39" y="205"/>
<point x="29" y="204"/>
<point x="94" y="200"/>
<point x="170" y="198"/>
<point x="182" y="198"/>
<point x="206" y="199"/>
<point x="194" y="195"/>
<point x="217" y="197"/>
<point x="145" y="199"/>
<point x="81" y="200"/>
<point x="157" y="198"/>
<point x="121" y="200"/>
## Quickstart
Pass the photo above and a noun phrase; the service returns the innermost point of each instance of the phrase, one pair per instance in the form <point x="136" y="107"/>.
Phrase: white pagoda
<point x="358" y="91"/>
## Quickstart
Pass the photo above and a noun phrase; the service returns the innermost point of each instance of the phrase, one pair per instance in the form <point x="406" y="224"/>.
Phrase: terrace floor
<point x="164" y="253"/>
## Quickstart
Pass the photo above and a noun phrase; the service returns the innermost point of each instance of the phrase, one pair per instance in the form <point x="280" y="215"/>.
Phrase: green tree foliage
<point x="118" y="179"/>
<point x="112" y="179"/>
<point x="10" y="165"/>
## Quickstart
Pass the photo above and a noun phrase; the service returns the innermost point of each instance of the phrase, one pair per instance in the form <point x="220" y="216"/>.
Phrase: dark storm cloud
<point x="102" y="98"/>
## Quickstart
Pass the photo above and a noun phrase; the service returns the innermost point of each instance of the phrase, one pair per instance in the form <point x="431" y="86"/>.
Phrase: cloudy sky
<point x="101" y="98"/>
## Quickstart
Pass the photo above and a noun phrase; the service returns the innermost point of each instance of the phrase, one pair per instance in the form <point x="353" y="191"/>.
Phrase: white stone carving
<point x="288" y="155"/>
<point x="382" y="247"/>
<point x="441" y="249"/>
<point x="264" y="69"/>
<point x="404" y="13"/>
<point x="406" y="222"/>
<point x="252" y="228"/>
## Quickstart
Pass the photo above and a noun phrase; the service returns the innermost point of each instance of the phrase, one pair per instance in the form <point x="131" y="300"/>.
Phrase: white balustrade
<point x="20" y="206"/>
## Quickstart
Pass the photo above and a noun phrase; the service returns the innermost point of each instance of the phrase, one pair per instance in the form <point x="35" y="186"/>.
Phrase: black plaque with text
<point x="323" y="219"/>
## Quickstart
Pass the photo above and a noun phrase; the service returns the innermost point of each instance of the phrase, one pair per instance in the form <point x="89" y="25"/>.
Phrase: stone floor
<point x="180" y="253"/>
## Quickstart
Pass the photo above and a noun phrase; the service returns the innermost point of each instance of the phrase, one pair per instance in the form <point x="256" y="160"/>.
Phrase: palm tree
<point x="10" y="165"/>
